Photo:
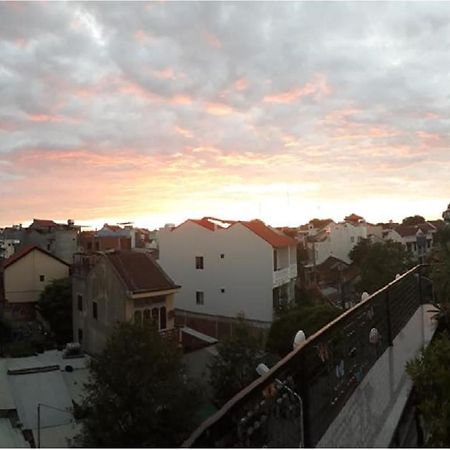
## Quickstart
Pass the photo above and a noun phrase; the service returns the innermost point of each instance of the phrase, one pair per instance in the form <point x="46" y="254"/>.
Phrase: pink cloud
<point x="53" y="118"/>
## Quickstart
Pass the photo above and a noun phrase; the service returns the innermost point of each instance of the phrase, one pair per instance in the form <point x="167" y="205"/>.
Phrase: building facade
<point x="228" y="268"/>
<point x="25" y="275"/>
<point x="59" y="239"/>
<point x="117" y="286"/>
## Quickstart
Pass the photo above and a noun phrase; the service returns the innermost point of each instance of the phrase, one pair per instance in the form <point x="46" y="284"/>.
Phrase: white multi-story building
<point x="228" y="268"/>
<point x="336" y="239"/>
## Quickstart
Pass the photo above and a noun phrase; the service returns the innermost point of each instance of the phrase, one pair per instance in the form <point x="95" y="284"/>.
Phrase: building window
<point x="222" y="255"/>
<point x="200" y="298"/>
<point x="48" y="247"/>
<point x="41" y="277"/>
<point x="352" y="239"/>
<point x="155" y="316"/>
<point x="97" y="245"/>
<point x="146" y="315"/>
<point x="94" y="310"/>
<point x="80" y="335"/>
<point x="199" y="262"/>
<point x="80" y="302"/>
<point x="275" y="262"/>
<point x="162" y="318"/>
<point x="89" y="245"/>
<point x="222" y="290"/>
<point x="138" y="317"/>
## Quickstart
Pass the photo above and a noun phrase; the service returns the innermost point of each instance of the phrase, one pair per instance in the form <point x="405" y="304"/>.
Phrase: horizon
<point x="152" y="225"/>
<point x="154" y="112"/>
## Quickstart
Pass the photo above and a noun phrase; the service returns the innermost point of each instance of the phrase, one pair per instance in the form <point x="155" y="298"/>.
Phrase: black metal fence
<point x="324" y="372"/>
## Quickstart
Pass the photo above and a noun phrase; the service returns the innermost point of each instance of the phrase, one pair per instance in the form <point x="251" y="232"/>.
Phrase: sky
<point x="155" y="112"/>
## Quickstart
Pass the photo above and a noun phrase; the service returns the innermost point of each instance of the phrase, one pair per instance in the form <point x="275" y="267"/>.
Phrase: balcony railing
<point x="324" y="372"/>
<point x="282" y="276"/>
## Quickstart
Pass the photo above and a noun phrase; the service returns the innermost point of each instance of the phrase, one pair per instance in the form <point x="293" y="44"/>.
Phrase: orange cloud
<point x="318" y="87"/>
<point x="184" y="132"/>
<point x="241" y="84"/>
<point x="181" y="99"/>
<point x="165" y="74"/>
<point x="219" y="109"/>
<point x="213" y="40"/>
<point x="142" y="37"/>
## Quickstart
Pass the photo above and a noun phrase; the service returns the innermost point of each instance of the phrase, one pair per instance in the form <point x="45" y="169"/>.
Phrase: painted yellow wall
<point x="22" y="279"/>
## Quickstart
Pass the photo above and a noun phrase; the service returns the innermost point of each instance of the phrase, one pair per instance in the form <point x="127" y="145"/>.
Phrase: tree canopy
<point x="379" y="262"/>
<point x="431" y="378"/>
<point x="413" y="220"/>
<point x="55" y="305"/>
<point x="310" y="319"/>
<point x="234" y="367"/>
<point x="440" y="274"/>
<point x="138" y="394"/>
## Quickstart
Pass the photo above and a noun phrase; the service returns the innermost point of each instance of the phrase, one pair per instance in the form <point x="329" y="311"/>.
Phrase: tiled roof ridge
<point x="28" y="249"/>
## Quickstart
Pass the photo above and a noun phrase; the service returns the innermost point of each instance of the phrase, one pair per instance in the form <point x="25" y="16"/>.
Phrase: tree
<point x="440" y="274"/>
<point x="379" y="262"/>
<point x="413" y="220"/>
<point x="55" y="305"/>
<point x="234" y="367"/>
<point x="310" y="319"/>
<point x="431" y="378"/>
<point x="138" y="395"/>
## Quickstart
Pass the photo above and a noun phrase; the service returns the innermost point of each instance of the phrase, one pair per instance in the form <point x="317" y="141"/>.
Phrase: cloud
<point x="176" y="102"/>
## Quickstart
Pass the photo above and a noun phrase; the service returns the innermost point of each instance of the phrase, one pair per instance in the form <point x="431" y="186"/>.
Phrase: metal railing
<point x="324" y="372"/>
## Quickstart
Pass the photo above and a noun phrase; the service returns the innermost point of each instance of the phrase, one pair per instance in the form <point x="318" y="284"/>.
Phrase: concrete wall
<point x="22" y="279"/>
<point x="59" y="242"/>
<point x="109" y="294"/>
<point x="370" y="416"/>
<point x="244" y="272"/>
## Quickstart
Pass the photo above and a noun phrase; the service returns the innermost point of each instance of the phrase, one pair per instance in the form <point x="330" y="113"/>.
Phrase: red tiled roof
<point x="438" y="224"/>
<point x="272" y="237"/>
<point x="258" y="227"/>
<point x="353" y="218"/>
<point x="24" y="251"/>
<point x="139" y="271"/>
<point x="43" y="223"/>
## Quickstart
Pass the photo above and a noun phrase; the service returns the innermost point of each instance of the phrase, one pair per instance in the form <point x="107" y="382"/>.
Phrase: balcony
<point x="349" y="376"/>
<point x="283" y="276"/>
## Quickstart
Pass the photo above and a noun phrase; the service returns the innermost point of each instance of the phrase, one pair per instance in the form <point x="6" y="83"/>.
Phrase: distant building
<point x="418" y="239"/>
<point x="117" y="286"/>
<point x="335" y="239"/>
<point x="90" y="242"/>
<point x="8" y="247"/>
<point x="115" y="237"/>
<point x="25" y="275"/>
<point x="228" y="268"/>
<point x="58" y="239"/>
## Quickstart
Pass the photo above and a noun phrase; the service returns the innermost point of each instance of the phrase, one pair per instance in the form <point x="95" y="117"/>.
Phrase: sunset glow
<point x="157" y="112"/>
